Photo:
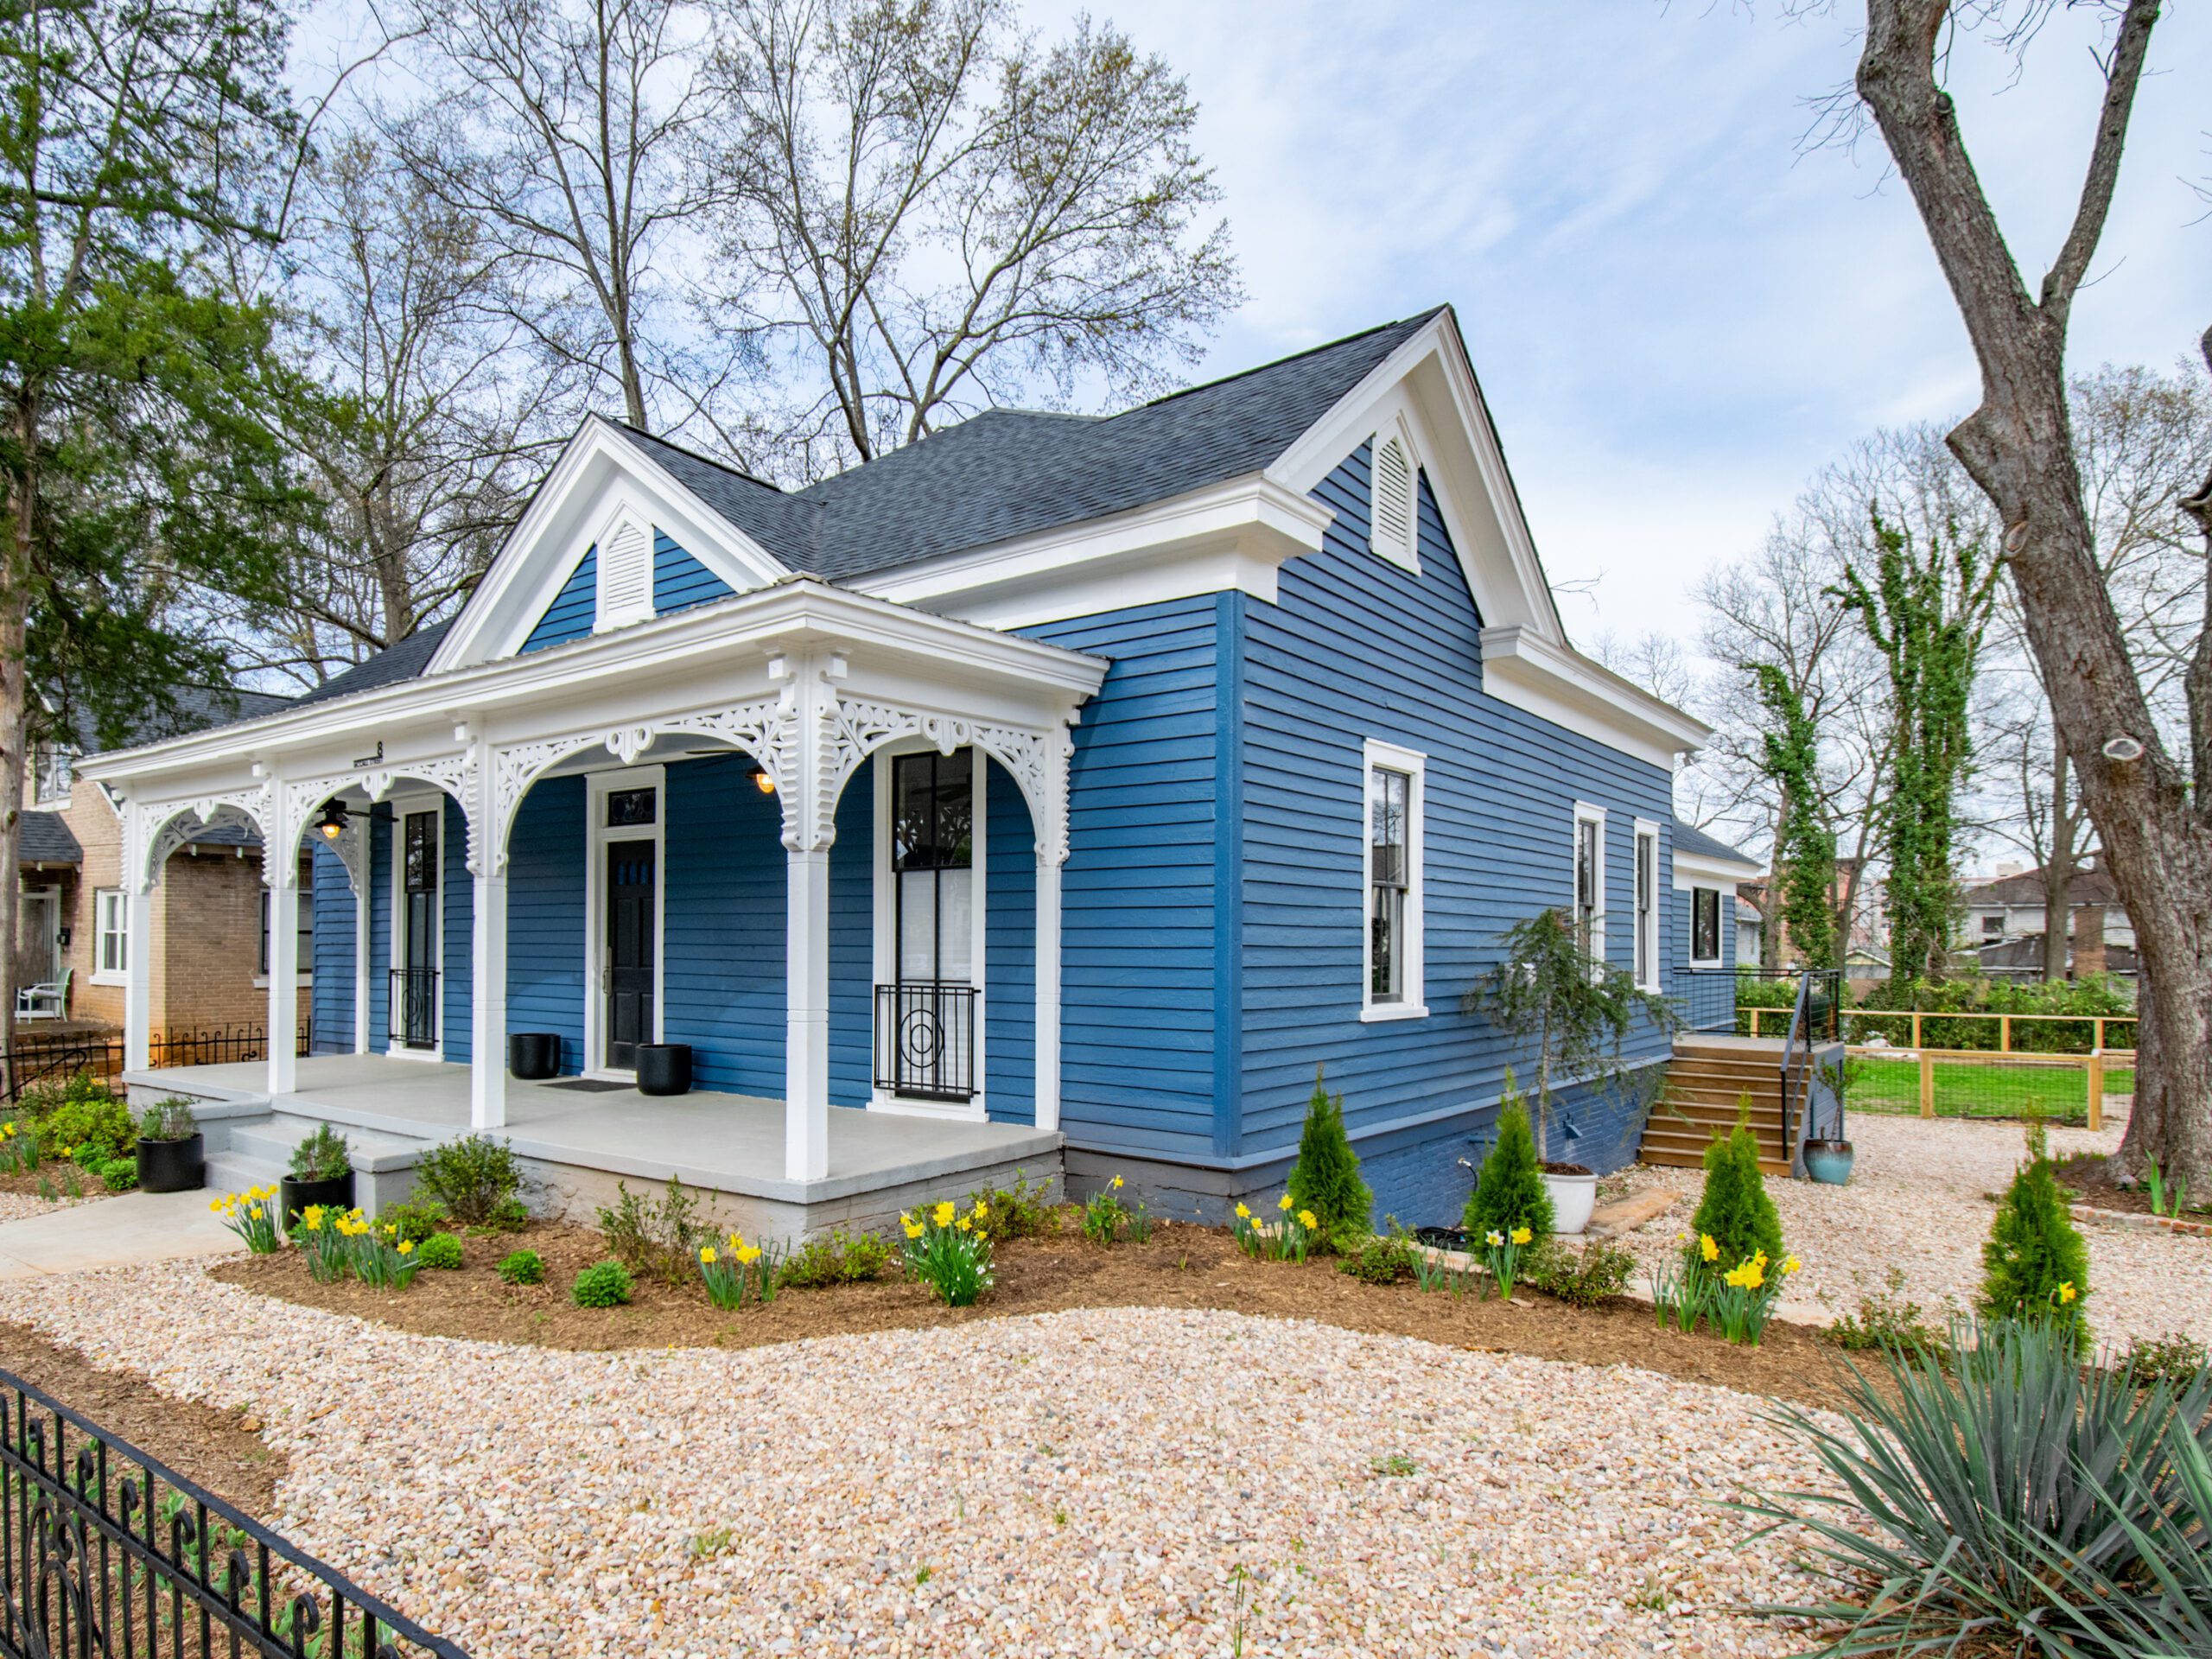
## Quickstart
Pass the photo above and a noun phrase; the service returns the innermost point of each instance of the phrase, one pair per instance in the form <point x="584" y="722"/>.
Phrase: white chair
<point x="50" y="1000"/>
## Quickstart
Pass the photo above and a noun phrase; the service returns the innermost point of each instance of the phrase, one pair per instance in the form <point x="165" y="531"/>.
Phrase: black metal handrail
<point x="925" y="1040"/>
<point x="412" y="1012"/>
<point x="32" y="1060"/>
<point x="1813" y="1020"/>
<point x="84" y="1569"/>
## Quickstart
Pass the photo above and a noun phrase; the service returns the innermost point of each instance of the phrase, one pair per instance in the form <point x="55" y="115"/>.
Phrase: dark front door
<point x="629" y="950"/>
<point x="418" y="1014"/>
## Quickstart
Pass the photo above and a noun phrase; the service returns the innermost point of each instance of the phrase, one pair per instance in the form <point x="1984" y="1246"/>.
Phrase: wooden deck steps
<point x="1706" y="1083"/>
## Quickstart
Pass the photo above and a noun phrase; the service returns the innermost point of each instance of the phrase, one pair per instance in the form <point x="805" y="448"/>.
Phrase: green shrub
<point x="523" y="1267"/>
<point x="82" y="1112"/>
<point x="2035" y="1266"/>
<point x="508" y="1215"/>
<point x="1584" y="1278"/>
<point x="1887" y="1319"/>
<point x="1988" y="999"/>
<point x="1736" y="1211"/>
<point x="119" y="1176"/>
<point x="416" y="1219"/>
<point x="1326" y="1178"/>
<point x="1510" y="1189"/>
<point x="2176" y="1357"/>
<point x="321" y="1156"/>
<point x="1378" y="1259"/>
<point x="836" y="1258"/>
<point x="471" y="1177"/>
<point x="1022" y="1211"/>
<point x="606" y="1285"/>
<point x="440" y="1250"/>
<point x="659" y="1240"/>
<point x="168" y="1120"/>
<point x="1998" y="1496"/>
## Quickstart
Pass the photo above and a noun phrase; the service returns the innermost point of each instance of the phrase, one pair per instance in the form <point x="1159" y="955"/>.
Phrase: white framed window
<point x="1589" y="909"/>
<point x="305" y="964"/>
<point x="1390" y="872"/>
<point x="1705" y="926"/>
<point x="1647" y="905"/>
<point x="1394" y="505"/>
<point x="111" y="936"/>
<point x="51" y="768"/>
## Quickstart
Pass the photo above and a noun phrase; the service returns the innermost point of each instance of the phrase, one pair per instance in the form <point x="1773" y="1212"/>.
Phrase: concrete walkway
<point x="115" y="1232"/>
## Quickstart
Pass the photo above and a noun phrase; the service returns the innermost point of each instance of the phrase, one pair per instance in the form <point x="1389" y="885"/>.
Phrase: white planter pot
<point x="1573" y="1197"/>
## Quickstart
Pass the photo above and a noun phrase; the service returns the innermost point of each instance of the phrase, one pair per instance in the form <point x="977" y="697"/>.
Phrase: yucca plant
<point x="1998" y="1496"/>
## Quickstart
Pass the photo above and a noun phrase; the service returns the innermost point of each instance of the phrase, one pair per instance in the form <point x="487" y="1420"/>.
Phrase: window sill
<point x="1376" y="1013"/>
<point x="261" y="980"/>
<point x="1706" y="962"/>
<point x="123" y="980"/>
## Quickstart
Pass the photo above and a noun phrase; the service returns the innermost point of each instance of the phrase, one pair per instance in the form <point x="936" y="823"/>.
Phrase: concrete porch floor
<point x="727" y="1143"/>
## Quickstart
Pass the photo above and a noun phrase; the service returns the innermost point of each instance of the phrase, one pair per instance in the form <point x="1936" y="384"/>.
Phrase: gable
<point x="611" y="539"/>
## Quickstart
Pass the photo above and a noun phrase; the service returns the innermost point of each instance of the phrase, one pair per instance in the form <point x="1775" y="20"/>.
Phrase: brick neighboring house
<point x="209" y="953"/>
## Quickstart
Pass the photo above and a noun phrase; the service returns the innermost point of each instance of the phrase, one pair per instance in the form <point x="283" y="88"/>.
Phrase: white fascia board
<point x="1557" y="683"/>
<point x="1229" y="536"/>
<point x="539" y="555"/>
<point x="1703" y="870"/>
<point x="710" y="643"/>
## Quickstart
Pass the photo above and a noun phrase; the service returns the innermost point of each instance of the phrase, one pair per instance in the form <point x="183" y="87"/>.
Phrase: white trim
<point x="100" y="975"/>
<point x="1702" y="869"/>
<point x="885" y="965"/>
<point x="404" y="803"/>
<point x="612" y="606"/>
<point x="1720" y="919"/>
<point x="1232" y="536"/>
<point x="598" y="786"/>
<point x="1557" y="683"/>
<point x="1654" y="957"/>
<point x="1411" y="1003"/>
<point x="1585" y="812"/>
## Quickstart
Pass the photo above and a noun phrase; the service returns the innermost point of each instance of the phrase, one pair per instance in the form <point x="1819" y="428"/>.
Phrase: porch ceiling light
<point x="762" y="781"/>
<point x="331" y="823"/>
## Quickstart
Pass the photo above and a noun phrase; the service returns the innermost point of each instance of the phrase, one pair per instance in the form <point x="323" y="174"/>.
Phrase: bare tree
<point x="568" y="131"/>
<point x="933" y="215"/>
<point x="2019" y="447"/>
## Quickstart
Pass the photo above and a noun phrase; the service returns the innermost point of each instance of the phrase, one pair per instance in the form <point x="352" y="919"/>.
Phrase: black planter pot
<point x="332" y="1193"/>
<point x="532" y="1055"/>
<point x="173" y="1166"/>
<point x="664" y="1068"/>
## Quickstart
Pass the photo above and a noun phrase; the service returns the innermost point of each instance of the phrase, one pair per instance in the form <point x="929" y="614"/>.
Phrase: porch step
<point x="259" y="1154"/>
<point x="1707" y="1086"/>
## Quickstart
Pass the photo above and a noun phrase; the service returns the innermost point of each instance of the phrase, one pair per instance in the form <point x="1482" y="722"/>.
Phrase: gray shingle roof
<point x="43" y="838"/>
<point x="1690" y="839"/>
<point x="395" y="663"/>
<point x="197" y="708"/>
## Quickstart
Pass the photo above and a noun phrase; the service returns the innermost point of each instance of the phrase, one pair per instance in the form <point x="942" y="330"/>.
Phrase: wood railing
<point x="2099" y="1024"/>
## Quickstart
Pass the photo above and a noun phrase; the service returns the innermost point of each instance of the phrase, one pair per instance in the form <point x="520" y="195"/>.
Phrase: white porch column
<point x="282" y="872"/>
<point x="361" y="988"/>
<point x="1048" y="1010"/>
<point x="806" y="1024"/>
<point x="138" y="972"/>
<point x="487" y="1054"/>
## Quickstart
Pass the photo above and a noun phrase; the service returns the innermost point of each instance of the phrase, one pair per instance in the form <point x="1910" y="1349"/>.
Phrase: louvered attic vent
<point x="1394" y="515"/>
<point x="625" y="576"/>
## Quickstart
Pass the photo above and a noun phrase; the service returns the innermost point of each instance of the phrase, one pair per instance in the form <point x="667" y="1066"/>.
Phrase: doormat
<point x="590" y="1085"/>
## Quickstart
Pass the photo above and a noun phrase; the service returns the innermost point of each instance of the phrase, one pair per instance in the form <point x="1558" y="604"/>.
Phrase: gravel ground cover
<point x="1919" y="1200"/>
<point x="22" y="1205"/>
<point x="1075" y="1483"/>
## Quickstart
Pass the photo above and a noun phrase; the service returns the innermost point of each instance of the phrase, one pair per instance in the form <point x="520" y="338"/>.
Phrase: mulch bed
<point x="222" y="1451"/>
<point x="1184" y="1266"/>
<point x="2088" y="1177"/>
<point x="56" y="1176"/>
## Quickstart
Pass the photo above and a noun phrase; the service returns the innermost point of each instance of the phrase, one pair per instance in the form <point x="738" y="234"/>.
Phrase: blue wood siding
<point x="1138" y="1025"/>
<point x="1009" y="952"/>
<point x="852" y="945"/>
<point x="379" y="988"/>
<point x="546" y="917"/>
<point x="681" y="582"/>
<point x="570" y="614"/>
<point x="331" y="999"/>
<point x="1357" y="647"/>
<point x="722" y="961"/>
<point x="457" y="916"/>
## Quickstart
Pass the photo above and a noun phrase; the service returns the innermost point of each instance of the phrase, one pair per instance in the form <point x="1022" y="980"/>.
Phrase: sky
<point x="1678" y="309"/>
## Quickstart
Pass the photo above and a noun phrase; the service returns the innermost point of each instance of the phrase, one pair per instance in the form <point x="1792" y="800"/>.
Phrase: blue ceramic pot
<point x="1829" y="1161"/>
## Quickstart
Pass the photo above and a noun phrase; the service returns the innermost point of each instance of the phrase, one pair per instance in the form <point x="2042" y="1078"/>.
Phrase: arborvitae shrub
<point x="2033" y="1253"/>
<point x="1326" y="1178"/>
<point x="1509" y="1189"/>
<point x="1736" y="1212"/>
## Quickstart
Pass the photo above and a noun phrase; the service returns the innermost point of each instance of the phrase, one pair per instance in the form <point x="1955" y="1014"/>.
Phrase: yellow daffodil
<point x="747" y="1254"/>
<point x="1494" y="1239"/>
<point x="407" y="1247"/>
<point x="944" y="1213"/>
<point x="254" y="1212"/>
<point x="707" y="1255"/>
<point x="981" y="1211"/>
<point x="1283" y="1203"/>
<point x="964" y="1224"/>
<point x="2067" y="1293"/>
<point x="1790" y="1264"/>
<point x="311" y="1217"/>
<point x="215" y="1206"/>
<point x="1707" y="1244"/>
<point x="737" y="1240"/>
<point x="1521" y="1235"/>
<point x="1244" y="1214"/>
<point x="914" y="1229"/>
<point x="1117" y="1183"/>
<point x="1308" y="1220"/>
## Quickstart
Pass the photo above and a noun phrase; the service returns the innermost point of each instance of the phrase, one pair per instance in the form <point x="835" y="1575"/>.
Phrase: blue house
<point x="1055" y="793"/>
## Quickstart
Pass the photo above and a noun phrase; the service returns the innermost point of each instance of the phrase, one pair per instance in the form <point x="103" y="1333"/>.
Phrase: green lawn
<point x="1974" y="1089"/>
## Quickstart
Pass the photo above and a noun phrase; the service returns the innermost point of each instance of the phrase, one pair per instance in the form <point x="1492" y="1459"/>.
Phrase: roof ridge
<point x="703" y="459"/>
<point x="1275" y="363"/>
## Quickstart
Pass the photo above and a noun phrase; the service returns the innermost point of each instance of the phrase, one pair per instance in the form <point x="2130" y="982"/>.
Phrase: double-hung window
<point x="111" y="936"/>
<point x="1393" y="860"/>
<point x="1590" y="880"/>
<point x="1647" y="905"/>
<point x="1704" y="925"/>
<point x="305" y="962"/>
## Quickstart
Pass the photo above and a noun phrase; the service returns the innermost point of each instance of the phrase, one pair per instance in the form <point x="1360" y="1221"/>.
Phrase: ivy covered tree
<point x="1805" y="847"/>
<point x="1927" y="608"/>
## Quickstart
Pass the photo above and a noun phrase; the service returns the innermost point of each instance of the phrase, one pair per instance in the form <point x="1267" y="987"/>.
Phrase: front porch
<point x="576" y="1138"/>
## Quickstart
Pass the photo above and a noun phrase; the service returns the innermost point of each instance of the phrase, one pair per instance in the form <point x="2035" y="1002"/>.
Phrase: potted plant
<point x="1577" y="1009"/>
<point x="322" y="1172"/>
<point x="1829" y="1162"/>
<point x="172" y="1154"/>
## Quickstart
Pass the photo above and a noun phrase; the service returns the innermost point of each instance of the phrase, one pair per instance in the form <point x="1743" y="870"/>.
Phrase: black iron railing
<point x="925" y="1040"/>
<point x="414" y="1008"/>
<point x="103" y="1551"/>
<point x="33" y="1060"/>
<point x="1813" y="1023"/>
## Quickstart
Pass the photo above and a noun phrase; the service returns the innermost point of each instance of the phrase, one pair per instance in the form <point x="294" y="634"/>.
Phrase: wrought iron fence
<point x="32" y="1060"/>
<point x="925" y="1040"/>
<point x="413" y="1008"/>
<point x="105" y="1551"/>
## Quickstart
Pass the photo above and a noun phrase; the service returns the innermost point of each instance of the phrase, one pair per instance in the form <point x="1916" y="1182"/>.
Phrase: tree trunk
<point x="15" y="711"/>
<point x="2019" y="448"/>
<point x="2058" y="869"/>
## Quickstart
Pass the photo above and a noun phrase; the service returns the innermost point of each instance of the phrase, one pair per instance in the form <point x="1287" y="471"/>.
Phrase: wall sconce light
<point x="762" y="781"/>
<point x="331" y="823"/>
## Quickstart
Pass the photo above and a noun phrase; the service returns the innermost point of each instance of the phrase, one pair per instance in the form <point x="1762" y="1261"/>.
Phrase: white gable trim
<point x="1555" y="683"/>
<point x="599" y="476"/>
<point x="1704" y="870"/>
